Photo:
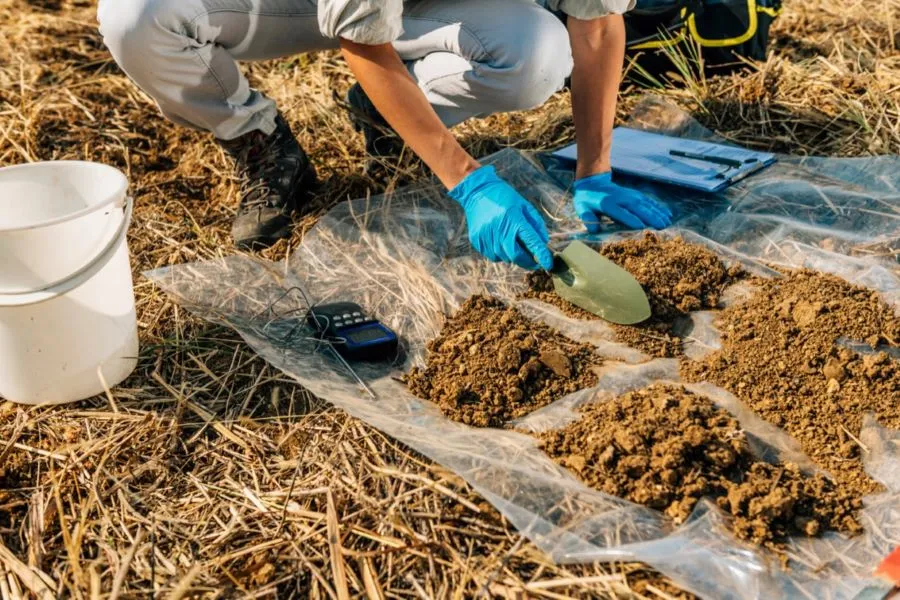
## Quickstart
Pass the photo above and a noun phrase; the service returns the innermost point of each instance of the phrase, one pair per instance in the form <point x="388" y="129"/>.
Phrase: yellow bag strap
<point x="751" y="30"/>
<point x="664" y="42"/>
<point x="753" y="8"/>
<point x="661" y="43"/>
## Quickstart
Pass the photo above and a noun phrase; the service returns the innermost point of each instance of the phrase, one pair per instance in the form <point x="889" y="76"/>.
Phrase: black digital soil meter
<point x="353" y="333"/>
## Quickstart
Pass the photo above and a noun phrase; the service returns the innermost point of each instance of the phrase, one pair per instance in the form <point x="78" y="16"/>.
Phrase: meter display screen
<point x="367" y="334"/>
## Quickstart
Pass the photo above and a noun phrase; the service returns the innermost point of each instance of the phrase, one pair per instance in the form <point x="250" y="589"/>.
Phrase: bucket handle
<point x="73" y="280"/>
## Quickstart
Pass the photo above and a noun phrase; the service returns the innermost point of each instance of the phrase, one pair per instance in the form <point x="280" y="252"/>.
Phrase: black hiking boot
<point x="383" y="146"/>
<point x="276" y="178"/>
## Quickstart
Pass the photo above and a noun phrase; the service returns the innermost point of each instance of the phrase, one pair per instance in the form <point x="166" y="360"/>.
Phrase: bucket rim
<point x="120" y="191"/>
<point x="79" y="277"/>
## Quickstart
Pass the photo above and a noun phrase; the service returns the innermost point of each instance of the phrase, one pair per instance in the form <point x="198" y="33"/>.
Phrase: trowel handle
<point x="561" y="270"/>
<point x="559" y="265"/>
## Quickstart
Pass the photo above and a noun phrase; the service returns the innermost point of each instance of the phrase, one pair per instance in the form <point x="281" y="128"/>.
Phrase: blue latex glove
<point x="597" y="195"/>
<point x="503" y="226"/>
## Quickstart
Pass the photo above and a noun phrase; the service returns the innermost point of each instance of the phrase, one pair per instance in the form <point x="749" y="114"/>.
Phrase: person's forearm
<point x="598" y="49"/>
<point x="386" y="81"/>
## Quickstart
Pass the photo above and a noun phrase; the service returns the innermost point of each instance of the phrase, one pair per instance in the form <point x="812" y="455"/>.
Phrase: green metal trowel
<point x="591" y="281"/>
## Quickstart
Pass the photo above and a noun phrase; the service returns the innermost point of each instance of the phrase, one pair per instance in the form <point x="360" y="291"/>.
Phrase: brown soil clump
<point x="490" y="364"/>
<point x="780" y="357"/>
<point x="678" y="277"/>
<point x="665" y="448"/>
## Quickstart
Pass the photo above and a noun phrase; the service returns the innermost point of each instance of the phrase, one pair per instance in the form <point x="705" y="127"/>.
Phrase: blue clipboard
<point x="702" y="166"/>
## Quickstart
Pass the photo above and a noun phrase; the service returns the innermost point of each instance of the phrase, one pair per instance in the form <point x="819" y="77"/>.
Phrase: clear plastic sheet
<point x="406" y="258"/>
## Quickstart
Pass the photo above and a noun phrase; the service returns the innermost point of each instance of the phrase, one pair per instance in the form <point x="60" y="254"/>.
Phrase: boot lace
<point x="257" y="165"/>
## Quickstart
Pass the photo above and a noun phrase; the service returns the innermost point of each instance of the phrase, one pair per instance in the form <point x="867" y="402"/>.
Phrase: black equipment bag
<point x="722" y="31"/>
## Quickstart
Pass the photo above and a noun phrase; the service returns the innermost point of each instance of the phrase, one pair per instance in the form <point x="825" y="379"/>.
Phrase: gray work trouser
<point x="469" y="57"/>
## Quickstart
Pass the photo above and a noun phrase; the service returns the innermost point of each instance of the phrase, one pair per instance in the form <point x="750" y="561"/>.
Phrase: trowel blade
<point x="591" y="281"/>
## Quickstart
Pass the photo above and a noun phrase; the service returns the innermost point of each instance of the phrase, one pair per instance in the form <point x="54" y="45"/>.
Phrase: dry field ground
<point x="209" y="473"/>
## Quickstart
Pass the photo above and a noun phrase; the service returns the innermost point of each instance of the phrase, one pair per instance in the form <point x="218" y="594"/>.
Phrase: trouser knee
<point x="135" y="31"/>
<point x="535" y="62"/>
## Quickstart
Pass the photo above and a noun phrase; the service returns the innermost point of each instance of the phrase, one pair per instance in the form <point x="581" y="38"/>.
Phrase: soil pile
<point x="665" y="448"/>
<point x="780" y="356"/>
<point x="490" y="364"/>
<point x="678" y="277"/>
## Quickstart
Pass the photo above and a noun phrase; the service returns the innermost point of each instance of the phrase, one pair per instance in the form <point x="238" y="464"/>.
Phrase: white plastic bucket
<point x="67" y="311"/>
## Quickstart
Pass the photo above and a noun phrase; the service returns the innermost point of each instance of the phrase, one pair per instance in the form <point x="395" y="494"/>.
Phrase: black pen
<point x="719" y="160"/>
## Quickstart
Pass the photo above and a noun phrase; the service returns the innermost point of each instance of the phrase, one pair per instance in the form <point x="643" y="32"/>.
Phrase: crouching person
<point x="422" y="67"/>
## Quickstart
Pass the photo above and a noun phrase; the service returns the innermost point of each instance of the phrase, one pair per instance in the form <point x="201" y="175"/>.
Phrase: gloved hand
<point x="503" y="226"/>
<point x="597" y="195"/>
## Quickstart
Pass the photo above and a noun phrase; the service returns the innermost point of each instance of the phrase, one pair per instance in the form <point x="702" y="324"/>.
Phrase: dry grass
<point x="208" y="473"/>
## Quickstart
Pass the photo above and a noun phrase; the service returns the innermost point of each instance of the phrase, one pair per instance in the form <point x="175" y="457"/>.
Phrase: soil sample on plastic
<point x="781" y="356"/>
<point x="666" y="448"/>
<point x="677" y="276"/>
<point x="490" y="364"/>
